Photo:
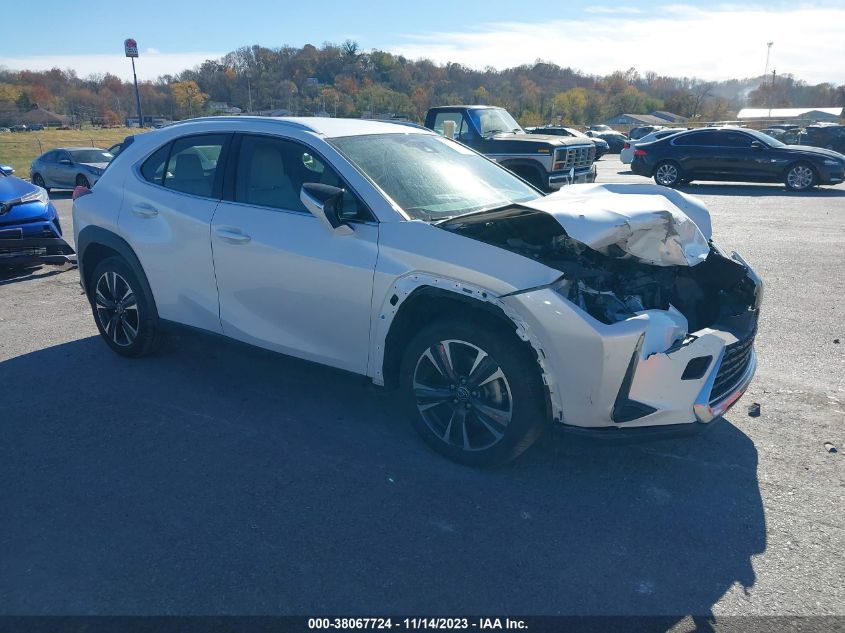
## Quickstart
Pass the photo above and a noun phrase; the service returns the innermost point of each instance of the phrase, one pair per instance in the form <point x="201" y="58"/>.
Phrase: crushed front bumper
<point x="646" y="371"/>
<point x="29" y="245"/>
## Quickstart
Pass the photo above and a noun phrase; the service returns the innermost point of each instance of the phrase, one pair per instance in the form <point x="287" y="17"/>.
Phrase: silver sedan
<point x="69" y="167"/>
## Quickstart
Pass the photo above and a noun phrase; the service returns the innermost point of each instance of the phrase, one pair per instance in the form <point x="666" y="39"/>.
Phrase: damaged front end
<point x="30" y="232"/>
<point x="672" y="318"/>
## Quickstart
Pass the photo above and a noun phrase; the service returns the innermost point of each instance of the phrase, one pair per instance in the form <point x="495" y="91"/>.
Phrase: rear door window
<point x="192" y="166"/>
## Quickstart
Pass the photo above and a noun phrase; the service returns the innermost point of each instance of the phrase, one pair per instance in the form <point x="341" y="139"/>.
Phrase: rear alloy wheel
<point x="125" y="316"/>
<point x="38" y="181"/>
<point x="667" y="174"/>
<point x="475" y="395"/>
<point x="800" y="177"/>
<point x="82" y="181"/>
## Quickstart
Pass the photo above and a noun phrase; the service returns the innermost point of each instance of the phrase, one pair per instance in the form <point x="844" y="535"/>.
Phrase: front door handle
<point x="144" y="210"/>
<point x="232" y="235"/>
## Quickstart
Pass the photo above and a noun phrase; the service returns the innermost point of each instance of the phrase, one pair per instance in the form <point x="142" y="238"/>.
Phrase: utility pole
<point x="130" y="46"/>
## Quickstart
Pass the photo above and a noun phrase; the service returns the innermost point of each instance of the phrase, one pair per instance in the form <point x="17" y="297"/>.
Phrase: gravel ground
<point x="215" y="478"/>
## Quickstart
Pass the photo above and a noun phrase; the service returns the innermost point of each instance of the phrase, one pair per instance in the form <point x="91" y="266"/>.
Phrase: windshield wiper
<point x="498" y="207"/>
<point x="491" y="132"/>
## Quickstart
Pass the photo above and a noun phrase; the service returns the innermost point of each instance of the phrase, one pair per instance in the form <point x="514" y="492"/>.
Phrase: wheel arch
<point x="94" y="244"/>
<point x="415" y="300"/>
<point x="800" y="161"/>
<point x="524" y="164"/>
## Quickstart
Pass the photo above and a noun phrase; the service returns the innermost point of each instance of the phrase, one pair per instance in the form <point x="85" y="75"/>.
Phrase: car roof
<point x="324" y="126"/>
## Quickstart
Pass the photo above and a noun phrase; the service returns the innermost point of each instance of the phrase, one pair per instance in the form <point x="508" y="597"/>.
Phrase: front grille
<point x="734" y="363"/>
<point x="579" y="157"/>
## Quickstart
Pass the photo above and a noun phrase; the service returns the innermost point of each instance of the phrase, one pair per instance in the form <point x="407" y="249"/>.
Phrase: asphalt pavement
<point x="215" y="478"/>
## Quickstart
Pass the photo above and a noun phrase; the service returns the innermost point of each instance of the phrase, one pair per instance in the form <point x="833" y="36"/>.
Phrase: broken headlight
<point x="603" y="305"/>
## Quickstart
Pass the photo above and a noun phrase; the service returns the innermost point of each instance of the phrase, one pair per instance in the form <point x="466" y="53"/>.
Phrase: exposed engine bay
<point x="615" y="284"/>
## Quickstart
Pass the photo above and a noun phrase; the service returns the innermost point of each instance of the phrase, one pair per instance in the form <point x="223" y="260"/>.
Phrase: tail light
<point x="80" y="191"/>
<point x="640" y="152"/>
<point x="626" y="146"/>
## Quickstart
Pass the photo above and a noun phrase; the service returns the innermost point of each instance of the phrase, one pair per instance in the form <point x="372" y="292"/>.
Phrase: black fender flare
<point x="528" y="163"/>
<point x="98" y="236"/>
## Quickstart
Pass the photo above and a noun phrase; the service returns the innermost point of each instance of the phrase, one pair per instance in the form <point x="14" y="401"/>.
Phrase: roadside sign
<point x="131" y="47"/>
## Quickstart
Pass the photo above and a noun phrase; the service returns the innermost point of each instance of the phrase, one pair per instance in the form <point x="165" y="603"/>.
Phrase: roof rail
<point x="233" y="119"/>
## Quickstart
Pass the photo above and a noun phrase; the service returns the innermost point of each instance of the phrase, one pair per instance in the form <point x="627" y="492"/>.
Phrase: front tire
<point x="473" y="392"/>
<point x="123" y="309"/>
<point x="800" y="177"/>
<point x="667" y="174"/>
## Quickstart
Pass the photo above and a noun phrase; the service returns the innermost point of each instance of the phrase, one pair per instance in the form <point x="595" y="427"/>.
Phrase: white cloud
<point x="149" y="65"/>
<point x="726" y="42"/>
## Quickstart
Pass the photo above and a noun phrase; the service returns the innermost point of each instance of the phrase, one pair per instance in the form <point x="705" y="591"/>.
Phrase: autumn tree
<point x="188" y="96"/>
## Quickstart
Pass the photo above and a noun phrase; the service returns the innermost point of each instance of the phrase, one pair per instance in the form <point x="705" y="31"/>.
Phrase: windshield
<point x="771" y="141"/>
<point x="493" y="121"/>
<point x="90" y="155"/>
<point x="430" y="177"/>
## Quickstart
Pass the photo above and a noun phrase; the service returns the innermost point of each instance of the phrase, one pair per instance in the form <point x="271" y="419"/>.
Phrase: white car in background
<point x="627" y="153"/>
<point x="389" y="251"/>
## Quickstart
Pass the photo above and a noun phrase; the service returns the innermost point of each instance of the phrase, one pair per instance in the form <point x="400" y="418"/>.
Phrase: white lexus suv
<point x="389" y="251"/>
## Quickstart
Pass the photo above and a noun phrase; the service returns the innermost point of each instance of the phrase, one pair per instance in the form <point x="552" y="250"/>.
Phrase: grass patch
<point x="19" y="149"/>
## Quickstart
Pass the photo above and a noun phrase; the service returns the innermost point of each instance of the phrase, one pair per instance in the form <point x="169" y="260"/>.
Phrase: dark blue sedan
<point x="30" y="231"/>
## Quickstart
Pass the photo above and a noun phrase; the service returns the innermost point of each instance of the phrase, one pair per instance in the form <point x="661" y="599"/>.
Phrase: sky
<point x="708" y="40"/>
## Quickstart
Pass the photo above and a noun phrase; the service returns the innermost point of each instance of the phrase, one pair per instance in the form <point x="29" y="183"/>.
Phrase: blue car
<point x="30" y="231"/>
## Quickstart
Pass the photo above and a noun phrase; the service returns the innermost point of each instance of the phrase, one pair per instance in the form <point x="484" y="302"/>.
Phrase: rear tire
<point x="123" y="309"/>
<point x="82" y="181"/>
<point x="473" y="391"/>
<point x="667" y="174"/>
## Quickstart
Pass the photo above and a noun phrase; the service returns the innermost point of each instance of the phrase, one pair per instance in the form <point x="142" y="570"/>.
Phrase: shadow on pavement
<point x="775" y="190"/>
<point x="30" y="272"/>
<point x="219" y="479"/>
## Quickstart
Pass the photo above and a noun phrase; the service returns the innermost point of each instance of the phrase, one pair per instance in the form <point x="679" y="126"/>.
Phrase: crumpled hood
<point x="653" y="224"/>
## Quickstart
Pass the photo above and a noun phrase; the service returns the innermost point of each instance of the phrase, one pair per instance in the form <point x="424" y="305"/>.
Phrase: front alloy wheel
<point x="473" y="390"/>
<point x="462" y="395"/>
<point x="117" y="309"/>
<point x="800" y="177"/>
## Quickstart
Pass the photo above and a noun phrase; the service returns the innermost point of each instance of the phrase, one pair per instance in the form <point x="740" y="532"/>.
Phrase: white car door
<point x="286" y="282"/>
<point x="166" y="217"/>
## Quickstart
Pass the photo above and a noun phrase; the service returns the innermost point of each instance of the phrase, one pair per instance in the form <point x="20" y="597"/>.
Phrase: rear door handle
<point x="144" y="210"/>
<point x="232" y="235"/>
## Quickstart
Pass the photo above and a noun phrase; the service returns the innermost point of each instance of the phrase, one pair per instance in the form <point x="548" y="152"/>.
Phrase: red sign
<point x="131" y="47"/>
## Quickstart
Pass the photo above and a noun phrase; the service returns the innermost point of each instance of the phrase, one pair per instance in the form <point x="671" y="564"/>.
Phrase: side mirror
<point x="65" y="161"/>
<point x="757" y="145"/>
<point x="7" y="170"/>
<point x="323" y="201"/>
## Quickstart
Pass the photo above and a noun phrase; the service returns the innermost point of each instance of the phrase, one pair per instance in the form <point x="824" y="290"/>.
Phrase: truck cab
<point x="547" y="162"/>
